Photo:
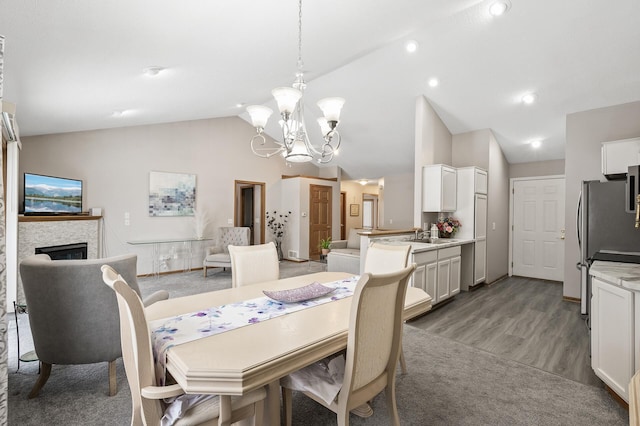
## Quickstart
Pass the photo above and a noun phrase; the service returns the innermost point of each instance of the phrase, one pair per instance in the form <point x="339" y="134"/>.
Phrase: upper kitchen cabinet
<point x="617" y="156"/>
<point x="439" y="188"/>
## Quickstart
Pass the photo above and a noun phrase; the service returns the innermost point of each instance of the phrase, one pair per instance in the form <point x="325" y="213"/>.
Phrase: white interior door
<point x="538" y="228"/>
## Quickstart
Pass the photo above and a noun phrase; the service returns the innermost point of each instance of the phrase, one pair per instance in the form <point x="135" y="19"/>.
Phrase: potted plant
<point x="325" y="245"/>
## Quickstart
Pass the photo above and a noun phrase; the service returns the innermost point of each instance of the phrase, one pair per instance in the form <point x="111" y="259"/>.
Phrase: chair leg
<point x="287" y="404"/>
<point x="113" y="384"/>
<point x="390" y="393"/>
<point x="204" y="270"/>
<point x="45" y="371"/>
<point x="403" y="363"/>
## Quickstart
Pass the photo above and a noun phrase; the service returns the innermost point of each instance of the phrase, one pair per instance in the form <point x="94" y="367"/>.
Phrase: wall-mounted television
<point x="50" y="195"/>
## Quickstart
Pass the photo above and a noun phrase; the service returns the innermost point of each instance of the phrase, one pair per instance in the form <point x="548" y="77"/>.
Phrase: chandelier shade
<point x="295" y="145"/>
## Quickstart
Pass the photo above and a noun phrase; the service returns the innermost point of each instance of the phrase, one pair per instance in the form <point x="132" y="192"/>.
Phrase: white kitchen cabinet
<point x="479" y="261"/>
<point x="439" y="188"/>
<point x="438" y="272"/>
<point x="472" y="213"/>
<point x="617" y="156"/>
<point x="424" y="276"/>
<point x="448" y="273"/>
<point x="612" y="335"/>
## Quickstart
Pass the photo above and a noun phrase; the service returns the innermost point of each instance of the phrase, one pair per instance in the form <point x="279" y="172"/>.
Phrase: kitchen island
<point x="615" y="323"/>
<point x="442" y="267"/>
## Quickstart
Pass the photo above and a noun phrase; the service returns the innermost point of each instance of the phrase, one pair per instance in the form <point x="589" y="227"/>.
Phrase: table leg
<point x="224" y="417"/>
<point x="272" y="409"/>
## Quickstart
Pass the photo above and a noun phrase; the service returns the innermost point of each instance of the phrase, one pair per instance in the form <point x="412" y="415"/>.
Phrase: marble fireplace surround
<point x="44" y="231"/>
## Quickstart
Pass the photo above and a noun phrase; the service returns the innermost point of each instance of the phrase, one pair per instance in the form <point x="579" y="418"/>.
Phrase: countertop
<point x="420" y="247"/>
<point x="625" y="275"/>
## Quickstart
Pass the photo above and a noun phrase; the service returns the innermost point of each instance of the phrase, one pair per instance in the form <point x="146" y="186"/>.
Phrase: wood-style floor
<point x="522" y="319"/>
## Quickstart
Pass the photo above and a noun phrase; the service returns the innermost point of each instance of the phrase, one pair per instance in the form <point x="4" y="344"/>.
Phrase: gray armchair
<point x="73" y="315"/>
<point x="218" y="256"/>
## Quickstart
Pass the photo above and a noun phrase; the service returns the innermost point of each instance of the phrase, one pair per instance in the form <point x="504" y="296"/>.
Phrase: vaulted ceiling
<point x="70" y="64"/>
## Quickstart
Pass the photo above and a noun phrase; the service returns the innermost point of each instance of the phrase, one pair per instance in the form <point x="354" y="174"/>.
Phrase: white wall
<point x="586" y="131"/>
<point x="397" y="202"/>
<point x="537" y="168"/>
<point x="432" y="146"/>
<point x="115" y="164"/>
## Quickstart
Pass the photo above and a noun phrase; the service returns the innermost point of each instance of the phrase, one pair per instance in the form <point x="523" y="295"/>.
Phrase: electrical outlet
<point x="493" y="226"/>
<point x="390" y="221"/>
<point x="127" y="219"/>
<point x="229" y="221"/>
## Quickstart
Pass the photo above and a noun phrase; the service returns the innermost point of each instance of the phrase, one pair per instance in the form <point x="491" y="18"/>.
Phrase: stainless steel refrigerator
<point x="605" y="230"/>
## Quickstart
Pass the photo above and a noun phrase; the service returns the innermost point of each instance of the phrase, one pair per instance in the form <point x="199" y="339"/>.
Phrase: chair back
<point x="136" y="348"/>
<point x="374" y="339"/>
<point x="253" y="264"/>
<point x="383" y="258"/>
<point x="235" y="236"/>
<point x="72" y="315"/>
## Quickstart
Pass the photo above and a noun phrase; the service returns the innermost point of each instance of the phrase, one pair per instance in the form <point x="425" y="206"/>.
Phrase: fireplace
<point x="66" y="251"/>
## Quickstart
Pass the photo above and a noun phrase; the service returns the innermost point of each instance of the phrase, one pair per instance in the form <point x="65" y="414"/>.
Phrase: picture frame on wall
<point x="171" y="194"/>
<point x="354" y="209"/>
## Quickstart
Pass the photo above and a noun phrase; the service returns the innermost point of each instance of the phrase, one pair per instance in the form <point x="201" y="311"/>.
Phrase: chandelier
<point x="295" y="145"/>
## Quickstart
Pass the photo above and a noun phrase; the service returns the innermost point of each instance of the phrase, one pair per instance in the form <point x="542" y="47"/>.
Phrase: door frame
<point x="374" y="214"/>
<point x="511" y="184"/>
<point x="237" y="185"/>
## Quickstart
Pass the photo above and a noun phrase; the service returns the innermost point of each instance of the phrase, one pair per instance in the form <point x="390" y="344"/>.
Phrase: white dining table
<point x="246" y="358"/>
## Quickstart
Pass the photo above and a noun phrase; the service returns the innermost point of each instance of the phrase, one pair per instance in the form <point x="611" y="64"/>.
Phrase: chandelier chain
<point x="300" y="63"/>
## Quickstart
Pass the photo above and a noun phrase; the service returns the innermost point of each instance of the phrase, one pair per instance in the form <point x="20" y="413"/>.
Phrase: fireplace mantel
<point x="56" y="218"/>
<point x="45" y="231"/>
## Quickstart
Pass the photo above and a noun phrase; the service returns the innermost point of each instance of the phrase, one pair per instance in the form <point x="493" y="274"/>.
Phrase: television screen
<point x="51" y="195"/>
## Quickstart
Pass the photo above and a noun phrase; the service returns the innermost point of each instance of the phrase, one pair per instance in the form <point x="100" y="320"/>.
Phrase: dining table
<point x="242" y="359"/>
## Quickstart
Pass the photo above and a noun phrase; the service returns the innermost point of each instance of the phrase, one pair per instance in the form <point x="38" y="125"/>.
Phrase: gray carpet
<point x="449" y="383"/>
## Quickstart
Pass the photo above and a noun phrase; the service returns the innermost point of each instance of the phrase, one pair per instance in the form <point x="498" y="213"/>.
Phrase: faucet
<point x="417" y="231"/>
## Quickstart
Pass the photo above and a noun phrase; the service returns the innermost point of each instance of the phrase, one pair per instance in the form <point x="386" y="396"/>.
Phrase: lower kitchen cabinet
<point x="612" y="335"/>
<point x="438" y="272"/>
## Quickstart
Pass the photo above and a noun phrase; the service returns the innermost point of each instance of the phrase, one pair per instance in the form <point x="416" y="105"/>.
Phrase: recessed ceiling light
<point x="535" y="144"/>
<point x="239" y="105"/>
<point x="529" y="98"/>
<point x="433" y="82"/>
<point x="121" y="113"/>
<point x="153" y="71"/>
<point x="499" y="8"/>
<point x="411" y="46"/>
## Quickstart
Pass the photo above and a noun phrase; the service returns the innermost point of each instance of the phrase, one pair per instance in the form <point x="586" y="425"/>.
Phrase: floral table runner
<point x="169" y="332"/>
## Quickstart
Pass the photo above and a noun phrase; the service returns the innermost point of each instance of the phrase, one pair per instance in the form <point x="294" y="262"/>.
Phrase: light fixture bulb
<point x="259" y="115"/>
<point x="331" y="108"/>
<point x="152" y="71"/>
<point x="536" y="144"/>
<point x="529" y="98"/>
<point x="287" y="98"/>
<point x="411" y="46"/>
<point x="498" y="8"/>
<point x="363" y="182"/>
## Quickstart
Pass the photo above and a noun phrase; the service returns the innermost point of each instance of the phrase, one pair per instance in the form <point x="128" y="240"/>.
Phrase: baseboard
<point x="571" y="299"/>
<point x="617" y="398"/>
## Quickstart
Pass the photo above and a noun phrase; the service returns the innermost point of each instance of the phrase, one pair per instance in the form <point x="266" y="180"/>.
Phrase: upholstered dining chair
<point x="218" y="256"/>
<point x="72" y="315"/>
<point x="382" y="259"/>
<point x="147" y="398"/>
<point x="253" y="264"/>
<point x="373" y="347"/>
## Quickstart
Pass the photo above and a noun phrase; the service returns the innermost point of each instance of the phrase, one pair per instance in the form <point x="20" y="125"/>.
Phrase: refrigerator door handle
<point x="578" y="220"/>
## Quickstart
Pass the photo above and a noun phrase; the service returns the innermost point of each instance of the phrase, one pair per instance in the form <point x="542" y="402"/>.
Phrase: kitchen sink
<point x="430" y="241"/>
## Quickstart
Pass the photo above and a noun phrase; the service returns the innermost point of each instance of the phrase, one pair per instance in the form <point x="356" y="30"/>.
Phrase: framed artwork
<point x="354" y="209"/>
<point x="171" y="194"/>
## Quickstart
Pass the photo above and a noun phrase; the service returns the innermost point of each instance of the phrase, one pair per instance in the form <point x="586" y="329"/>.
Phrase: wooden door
<point x="320" y="206"/>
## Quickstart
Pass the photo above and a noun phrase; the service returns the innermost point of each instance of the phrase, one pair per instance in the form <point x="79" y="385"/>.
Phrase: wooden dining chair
<point x="373" y="347"/>
<point x="254" y="264"/>
<point x="147" y="398"/>
<point x="382" y="259"/>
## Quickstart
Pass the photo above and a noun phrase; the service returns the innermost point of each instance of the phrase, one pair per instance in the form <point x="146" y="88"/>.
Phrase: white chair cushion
<point x="219" y="257"/>
<point x="353" y="242"/>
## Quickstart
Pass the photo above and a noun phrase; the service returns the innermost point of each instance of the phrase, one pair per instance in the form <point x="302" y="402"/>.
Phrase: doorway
<point x="249" y="208"/>
<point x="320" y="218"/>
<point x="343" y="215"/>
<point x="369" y="211"/>
<point x="538" y="228"/>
